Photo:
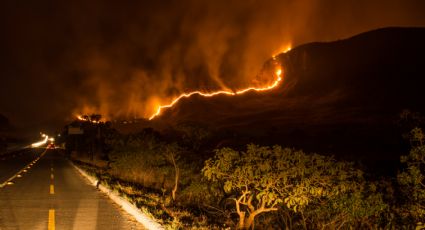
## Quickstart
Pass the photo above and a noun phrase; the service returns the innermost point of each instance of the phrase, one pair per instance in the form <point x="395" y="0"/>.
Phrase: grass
<point x="152" y="202"/>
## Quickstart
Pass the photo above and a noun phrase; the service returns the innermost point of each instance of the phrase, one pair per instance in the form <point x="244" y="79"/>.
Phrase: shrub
<point x="262" y="179"/>
<point x="412" y="179"/>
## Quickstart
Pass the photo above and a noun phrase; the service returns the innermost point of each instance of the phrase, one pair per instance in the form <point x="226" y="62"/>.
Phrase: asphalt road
<point x="53" y="195"/>
<point x="13" y="162"/>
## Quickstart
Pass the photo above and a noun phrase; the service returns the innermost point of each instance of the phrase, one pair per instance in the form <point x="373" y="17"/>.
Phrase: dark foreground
<point x="52" y="194"/>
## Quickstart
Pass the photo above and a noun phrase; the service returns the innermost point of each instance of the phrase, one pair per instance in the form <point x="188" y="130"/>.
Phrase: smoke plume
<point x="122" y="58"/>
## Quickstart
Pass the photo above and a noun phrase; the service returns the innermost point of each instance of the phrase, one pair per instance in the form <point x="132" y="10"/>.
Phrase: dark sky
<point x="122" y="58"/>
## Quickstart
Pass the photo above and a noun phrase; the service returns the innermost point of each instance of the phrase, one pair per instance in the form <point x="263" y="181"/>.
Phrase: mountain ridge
<point x="337" y="97"/>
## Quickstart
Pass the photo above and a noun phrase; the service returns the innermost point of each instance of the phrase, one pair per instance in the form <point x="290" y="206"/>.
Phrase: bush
<point x="412" y="179"/>
<point x="262" y="179"/>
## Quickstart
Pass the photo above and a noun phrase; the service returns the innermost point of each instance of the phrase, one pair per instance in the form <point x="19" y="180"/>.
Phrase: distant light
<point x="52" y="139"/>
<point x="40" y="143"/>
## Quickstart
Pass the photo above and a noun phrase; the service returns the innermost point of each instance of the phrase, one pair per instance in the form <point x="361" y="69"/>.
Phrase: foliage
<point x="412" y="180"/>
<point x="409" y="120"/>
<point x="134" y="158"/>
<point x="263" y="178"/>
<point x="193" y="135"/>
<point x="360" y="208"/>
<point x="295" y="189"/>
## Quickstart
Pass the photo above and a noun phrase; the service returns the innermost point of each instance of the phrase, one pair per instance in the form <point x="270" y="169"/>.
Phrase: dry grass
<point x="153" y="202"/>
<point x="84" y="158"/>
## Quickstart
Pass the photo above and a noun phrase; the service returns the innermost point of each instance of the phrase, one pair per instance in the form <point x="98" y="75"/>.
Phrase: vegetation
<point x="184" y="184"/>
<point x="412" y="179"/>
<point x="263" y="178"/>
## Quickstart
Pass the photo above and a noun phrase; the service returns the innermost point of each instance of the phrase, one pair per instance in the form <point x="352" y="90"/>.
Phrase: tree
<point x="358" y="209"/>
<point x="193" y="135"/>
<point x="412" y="179"/>
<point x="263" y="178"/>
<point x="171" y="153"/>
<point x="409" y="120"/>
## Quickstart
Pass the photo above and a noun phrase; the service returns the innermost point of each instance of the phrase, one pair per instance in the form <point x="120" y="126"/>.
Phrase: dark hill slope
<point x="341" y="97"/>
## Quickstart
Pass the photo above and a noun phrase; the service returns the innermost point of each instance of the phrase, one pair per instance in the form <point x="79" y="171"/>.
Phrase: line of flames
<point x="160" y="108"/>
<point x="81" y="118"/>
<point x="186" y="95"/>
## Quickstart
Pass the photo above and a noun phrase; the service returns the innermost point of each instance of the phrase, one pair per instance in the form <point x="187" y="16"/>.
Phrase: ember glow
<point x="275" y="83"/>
<point x="282" y="50"/>
<point x="87" y="118"/>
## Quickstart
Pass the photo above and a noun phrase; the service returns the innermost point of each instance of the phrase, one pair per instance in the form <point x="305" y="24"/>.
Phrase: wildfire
<point x="284" y="49"/>
<point x="81" y="118"/>
<point x="160" y="108"/>
<point x="88" y="118"/>
<point x="275" y="83"/>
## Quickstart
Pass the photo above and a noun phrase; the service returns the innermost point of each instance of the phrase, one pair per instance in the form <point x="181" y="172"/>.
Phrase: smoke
<point x="122" y="59"/>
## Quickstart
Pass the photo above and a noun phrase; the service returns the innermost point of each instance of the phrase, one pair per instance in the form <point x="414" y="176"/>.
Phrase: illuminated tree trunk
<point x="249" y="221"/>
<point x="241" y="220"/>
<point x="244" y="221"/>
<point x="176" y="178"/>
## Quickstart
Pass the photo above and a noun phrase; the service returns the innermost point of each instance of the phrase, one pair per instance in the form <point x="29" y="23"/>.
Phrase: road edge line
<point x="131" y="209"/>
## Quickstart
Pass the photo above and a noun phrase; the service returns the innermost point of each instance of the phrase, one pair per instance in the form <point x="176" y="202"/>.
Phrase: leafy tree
<point x="264" y="178"/>
<point x="409" y="120"/>
<point x="359" y="208"/>
<point x="412" y="180"/>
<point x="193" y="135"/>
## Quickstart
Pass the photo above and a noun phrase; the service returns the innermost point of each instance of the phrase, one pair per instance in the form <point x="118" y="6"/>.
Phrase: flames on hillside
<point x="94" y="118"/>
<point x="159" y="108"/>
<point x="277" y="80"/>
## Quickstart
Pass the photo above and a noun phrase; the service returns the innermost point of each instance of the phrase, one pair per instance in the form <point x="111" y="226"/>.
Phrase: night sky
<point x="121" y="58"/>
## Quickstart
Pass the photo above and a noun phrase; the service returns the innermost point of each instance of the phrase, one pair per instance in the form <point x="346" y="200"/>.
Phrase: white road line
<point x="125" y="205"/>
<point x="24" y="169"/>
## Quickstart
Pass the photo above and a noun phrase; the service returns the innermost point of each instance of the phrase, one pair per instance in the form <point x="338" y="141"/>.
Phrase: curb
<point x="142" y="218"/>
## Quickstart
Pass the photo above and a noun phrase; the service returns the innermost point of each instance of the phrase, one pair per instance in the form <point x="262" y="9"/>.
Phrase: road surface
<point x="53" y="195"/>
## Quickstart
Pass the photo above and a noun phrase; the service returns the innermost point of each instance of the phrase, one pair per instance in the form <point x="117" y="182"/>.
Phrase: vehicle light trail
<point x="275" y="83"/>
<point x="40" y="143"/>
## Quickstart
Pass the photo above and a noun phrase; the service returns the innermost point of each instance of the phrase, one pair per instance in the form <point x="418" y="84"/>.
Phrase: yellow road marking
<point x="51" y="225"/>
<point x="52" y="189"/>
<point x="52" y="176"/>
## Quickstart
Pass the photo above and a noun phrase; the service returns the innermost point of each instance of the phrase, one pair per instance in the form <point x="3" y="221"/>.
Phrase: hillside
<point x="341" y="97"/>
